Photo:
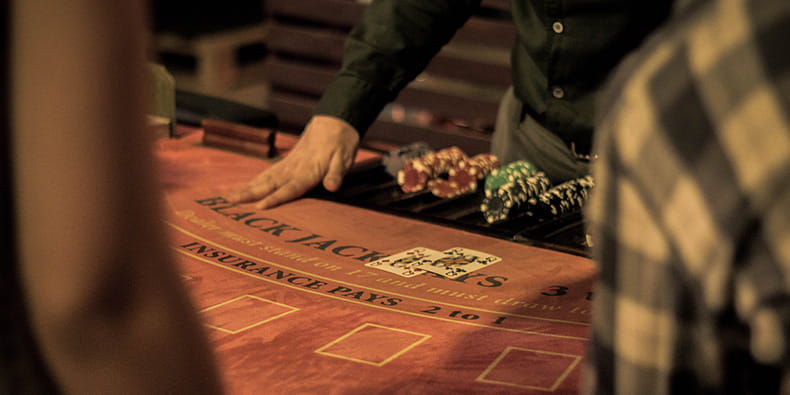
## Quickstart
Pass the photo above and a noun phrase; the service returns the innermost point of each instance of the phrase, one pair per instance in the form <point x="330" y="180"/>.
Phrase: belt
<point x="588" y="157"/>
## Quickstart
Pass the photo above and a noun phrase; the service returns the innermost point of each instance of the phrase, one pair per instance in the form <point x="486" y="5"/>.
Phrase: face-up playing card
<point x="457" y="261"/>
<point x="405" y="263"/>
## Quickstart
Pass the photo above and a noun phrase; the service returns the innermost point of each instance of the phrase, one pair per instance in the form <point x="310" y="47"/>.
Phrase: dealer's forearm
<point x="387" y="49"/>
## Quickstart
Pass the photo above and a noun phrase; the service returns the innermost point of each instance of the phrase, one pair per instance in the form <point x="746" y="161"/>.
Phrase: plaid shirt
<point x="691" y="215"/>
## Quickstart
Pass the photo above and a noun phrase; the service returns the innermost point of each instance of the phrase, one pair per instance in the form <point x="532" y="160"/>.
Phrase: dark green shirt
<point x="564" y="51"/>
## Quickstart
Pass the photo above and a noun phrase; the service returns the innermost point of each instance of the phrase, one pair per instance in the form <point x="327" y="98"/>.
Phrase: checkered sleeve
<point x="691" y="212"/>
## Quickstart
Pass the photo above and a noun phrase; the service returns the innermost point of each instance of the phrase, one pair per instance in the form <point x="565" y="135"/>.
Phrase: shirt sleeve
<point x="387" y="49"/>
<point x="762" y="289"/>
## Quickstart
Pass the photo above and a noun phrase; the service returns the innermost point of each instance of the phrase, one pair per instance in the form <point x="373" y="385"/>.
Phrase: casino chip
<point x="463" y="178"/>
<point x="511" y="198"/>
<point x="506" y="174"/>
<point x="396" y="159"/>
<point x="469" y="172"/>
<point x="562" y="199"/>
<point x="414" y="176"/>
<point x="447" y="189"/>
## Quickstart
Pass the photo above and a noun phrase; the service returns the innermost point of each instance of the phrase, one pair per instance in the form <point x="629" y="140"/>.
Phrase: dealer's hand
<point x="324" y="152"/>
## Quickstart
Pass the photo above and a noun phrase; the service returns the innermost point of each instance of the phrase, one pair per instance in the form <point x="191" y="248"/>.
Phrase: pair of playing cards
<point x="452" y="263"/>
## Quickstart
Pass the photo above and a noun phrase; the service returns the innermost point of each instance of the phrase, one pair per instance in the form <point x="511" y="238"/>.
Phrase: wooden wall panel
<point x="463" y="82"/>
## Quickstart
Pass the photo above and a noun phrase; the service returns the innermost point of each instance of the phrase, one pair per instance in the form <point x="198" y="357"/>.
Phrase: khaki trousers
<point x="515" y="139"/>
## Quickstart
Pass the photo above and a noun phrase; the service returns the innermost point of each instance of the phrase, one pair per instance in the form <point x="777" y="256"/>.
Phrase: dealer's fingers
<point x="261" y="186"/>
<point x="285" y="193"/>
<point x="334" y="176"/>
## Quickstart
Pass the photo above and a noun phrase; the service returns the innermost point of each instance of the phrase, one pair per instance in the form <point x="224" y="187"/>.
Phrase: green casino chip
<point x="509" y="173"/>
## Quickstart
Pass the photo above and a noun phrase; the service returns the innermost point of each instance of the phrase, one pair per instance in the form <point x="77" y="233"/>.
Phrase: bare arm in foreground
<point x="107" y="305"/>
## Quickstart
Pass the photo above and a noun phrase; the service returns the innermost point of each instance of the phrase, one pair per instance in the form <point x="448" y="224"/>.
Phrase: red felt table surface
<point x="290" y="306"/>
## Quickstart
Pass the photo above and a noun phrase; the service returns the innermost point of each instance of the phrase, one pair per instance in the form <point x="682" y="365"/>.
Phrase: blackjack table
<point x="293" y="302"/>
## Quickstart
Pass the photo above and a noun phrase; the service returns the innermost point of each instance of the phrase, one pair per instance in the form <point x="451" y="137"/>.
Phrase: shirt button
<point x="557" y="92"/>
<point x="558" y="27"/>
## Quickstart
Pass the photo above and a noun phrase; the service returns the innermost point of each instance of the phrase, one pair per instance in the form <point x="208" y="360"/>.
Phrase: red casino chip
<point x="412" y="178"/>
<point x="447" y="189"/>
<point x="469" y="172"/>
<point x="415" y="175"/>
<point x="442" y="161"/>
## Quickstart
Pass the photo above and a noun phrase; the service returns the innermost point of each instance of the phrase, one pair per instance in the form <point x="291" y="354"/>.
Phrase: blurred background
<point x="279" y="55"/>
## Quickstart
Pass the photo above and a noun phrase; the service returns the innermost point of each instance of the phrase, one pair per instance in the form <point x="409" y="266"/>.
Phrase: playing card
<point x="457" y="261"/>
<point x="403" y="263"/>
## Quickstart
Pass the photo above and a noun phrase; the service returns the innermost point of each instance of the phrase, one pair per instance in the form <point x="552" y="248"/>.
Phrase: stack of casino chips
<point x="562" y="199"/>
<point x="463" y="178"/>
<point x="414" y="176"/>
<point x="396" y="159"/>
<point x="507" y="174"/>
<point x="506" y="200"/>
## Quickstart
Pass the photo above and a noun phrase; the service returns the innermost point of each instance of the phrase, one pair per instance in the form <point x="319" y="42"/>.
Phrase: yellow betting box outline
<point x="293" y="309"/>
<point x="560" y="379"/>
<point x="363" y="326"/>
